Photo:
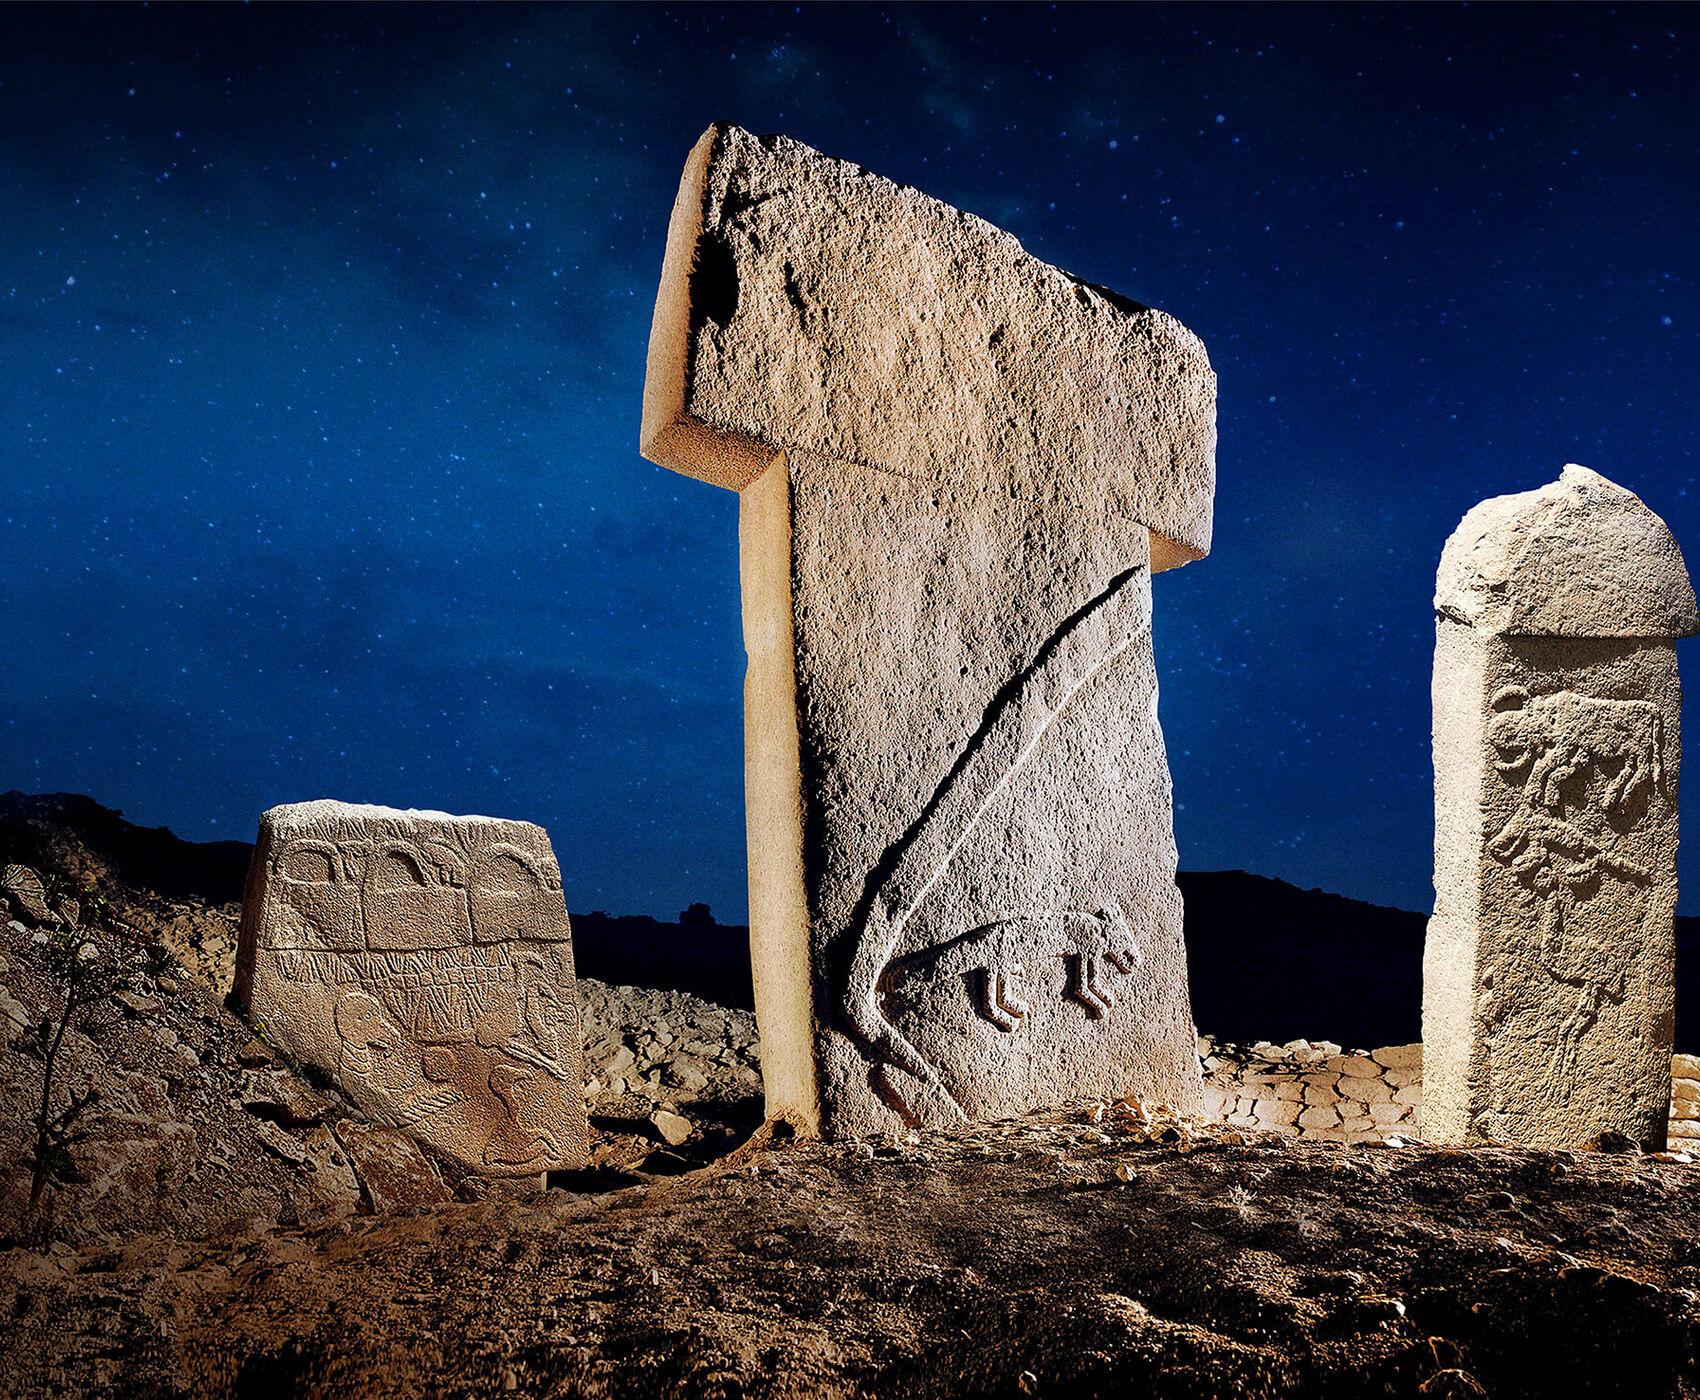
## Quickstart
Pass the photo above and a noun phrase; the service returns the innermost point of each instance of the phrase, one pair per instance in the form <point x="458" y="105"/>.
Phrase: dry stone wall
<point x="1317" y="1089"/>
<point x="1684" y="1103"/>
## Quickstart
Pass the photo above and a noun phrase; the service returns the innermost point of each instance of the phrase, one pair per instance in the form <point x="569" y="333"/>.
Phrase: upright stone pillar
<point x="958" y="468"/>
<point x="1548" y="992"/>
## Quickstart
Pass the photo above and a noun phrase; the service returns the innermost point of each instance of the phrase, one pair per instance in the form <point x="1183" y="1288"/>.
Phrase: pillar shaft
<point x="1549" y="971"/>
<point x="961" y="845"/>
<point x="1549" y="1000"/>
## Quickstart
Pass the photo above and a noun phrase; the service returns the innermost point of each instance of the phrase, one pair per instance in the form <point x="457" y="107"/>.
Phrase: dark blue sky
<point x="322" y="337"/>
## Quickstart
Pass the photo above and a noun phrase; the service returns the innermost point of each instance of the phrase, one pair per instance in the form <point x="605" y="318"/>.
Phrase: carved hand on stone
<point x="383" y="1071"/>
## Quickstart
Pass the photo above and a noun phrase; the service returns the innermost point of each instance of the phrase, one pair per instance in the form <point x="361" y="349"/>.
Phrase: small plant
<point x="89" y="980"/>
<point x="1240" y="1202"/>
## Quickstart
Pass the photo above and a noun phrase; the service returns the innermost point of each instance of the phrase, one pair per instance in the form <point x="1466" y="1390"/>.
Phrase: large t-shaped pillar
<point x="958" y="467"/>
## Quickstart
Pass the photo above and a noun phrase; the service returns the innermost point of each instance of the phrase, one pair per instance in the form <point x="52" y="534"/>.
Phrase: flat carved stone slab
<point x="425" y="963"/>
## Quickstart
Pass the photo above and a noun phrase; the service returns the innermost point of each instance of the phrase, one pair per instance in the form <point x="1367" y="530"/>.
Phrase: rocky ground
<point x="199" y="1124"/>
<point x="233" y="1228"/>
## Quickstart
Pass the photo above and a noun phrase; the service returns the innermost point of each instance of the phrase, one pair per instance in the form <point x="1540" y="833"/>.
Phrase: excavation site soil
<point x="232" y="1228"/>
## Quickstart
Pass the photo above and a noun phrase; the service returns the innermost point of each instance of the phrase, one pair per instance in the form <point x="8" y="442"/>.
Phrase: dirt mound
<point x="234" y="1228"/>
<point x="1075" y="1253"/>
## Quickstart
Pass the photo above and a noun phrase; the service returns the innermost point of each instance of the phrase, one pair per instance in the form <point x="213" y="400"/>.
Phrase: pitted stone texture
<point x="1303" y="1089"/>
<point x="962" y="853"/>
<point x="1683" y="1130"/>
<point x="423" y="961"/>
<point x="955" y="465"/>
<point x="28" y="893"/>
<point x="1580" y="557"/>
<point x="807" y="304"/>
<point x="1548" y="977"/>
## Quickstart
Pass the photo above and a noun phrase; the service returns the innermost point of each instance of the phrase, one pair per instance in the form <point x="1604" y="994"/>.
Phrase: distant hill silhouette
<point x="142" y="856"/>
<point x="1268" y="961"/>
<point x="706" y="960"/>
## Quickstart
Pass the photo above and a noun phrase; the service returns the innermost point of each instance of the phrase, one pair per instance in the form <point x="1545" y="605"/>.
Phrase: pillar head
<point x="1579" y="557"/>
<point x="807" y="304"/>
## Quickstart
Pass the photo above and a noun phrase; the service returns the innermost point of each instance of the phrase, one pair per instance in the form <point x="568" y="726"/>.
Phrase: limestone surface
<point x="424" y="962"/>
<point x="809" y="304"/>
<point x="954" y="465"/>
<point x="1684" y="1128"/>
<point x="1536" y="564"/>
<point x="1312" y="1089"/>
<point x="1548" y="977"/>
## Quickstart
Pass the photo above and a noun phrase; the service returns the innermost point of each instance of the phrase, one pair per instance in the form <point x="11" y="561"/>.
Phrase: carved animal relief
<point x="958" y="469"/>
<point x="1585" y="770"/>
<point x="1548" y="982"/>
<point x="1069" y="954"/>
<point x="425" y="962"/>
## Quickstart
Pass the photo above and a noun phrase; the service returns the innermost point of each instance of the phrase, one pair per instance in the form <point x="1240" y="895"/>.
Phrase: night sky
<point x="322" y="338"/>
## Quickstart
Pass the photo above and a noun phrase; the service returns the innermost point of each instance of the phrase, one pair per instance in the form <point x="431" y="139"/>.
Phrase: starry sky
<point x="322" y="338"/>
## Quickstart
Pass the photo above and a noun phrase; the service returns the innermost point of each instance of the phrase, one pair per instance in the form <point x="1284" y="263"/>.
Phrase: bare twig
<point x="88" y="981"/>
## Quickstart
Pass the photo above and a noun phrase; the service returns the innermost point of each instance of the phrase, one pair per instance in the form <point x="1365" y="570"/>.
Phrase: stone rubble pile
<point x="197" y="1125"/>
<point x="1315" y="1088"/>
<point x="649" y="1053"/>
